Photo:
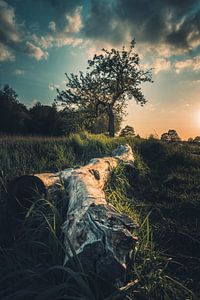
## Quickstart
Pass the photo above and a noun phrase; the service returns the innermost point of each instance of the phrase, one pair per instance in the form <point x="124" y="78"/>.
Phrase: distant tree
<point x="44" y="120"/>
<point x="127" y="131"/>
<point x="153" y="136"/>
<point x="112" y="79"/>
<point x="165" y="137"/>
<point x="197" y="139"/>
<point x="72" y="121"/>
<point x="190" y="140"/>
<point x="13" y="115"/>
<point x="170" y="136"/>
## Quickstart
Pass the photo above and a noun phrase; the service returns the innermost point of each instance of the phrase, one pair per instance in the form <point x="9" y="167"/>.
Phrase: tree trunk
<point x="111" y="121"/>
<point x="94" y="231"/>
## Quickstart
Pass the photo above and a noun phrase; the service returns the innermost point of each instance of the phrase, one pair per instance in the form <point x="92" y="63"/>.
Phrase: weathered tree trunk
<point x="99" y="236"/>
<point x="111" y="121"/>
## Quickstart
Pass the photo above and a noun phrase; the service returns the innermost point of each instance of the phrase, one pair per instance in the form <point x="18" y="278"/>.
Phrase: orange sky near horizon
<point x="157" y="117"/>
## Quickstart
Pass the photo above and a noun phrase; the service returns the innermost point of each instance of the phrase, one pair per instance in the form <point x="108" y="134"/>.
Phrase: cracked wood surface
<point x="100" y="237"/>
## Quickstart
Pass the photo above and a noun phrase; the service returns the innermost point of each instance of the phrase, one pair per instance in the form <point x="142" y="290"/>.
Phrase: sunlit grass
<point x="162" y="198"/>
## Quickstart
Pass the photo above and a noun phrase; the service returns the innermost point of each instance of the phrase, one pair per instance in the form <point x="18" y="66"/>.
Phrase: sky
<point x="41" y="40"/>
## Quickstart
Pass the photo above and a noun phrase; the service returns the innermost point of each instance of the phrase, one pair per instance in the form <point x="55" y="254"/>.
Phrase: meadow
<point x="162" y="196"/>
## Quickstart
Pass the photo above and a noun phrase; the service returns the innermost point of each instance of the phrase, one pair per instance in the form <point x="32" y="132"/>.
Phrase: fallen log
<point x="94" y="231"/>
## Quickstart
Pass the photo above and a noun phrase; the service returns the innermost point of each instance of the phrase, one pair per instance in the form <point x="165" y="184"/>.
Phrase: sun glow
<point x="198" y="118"/>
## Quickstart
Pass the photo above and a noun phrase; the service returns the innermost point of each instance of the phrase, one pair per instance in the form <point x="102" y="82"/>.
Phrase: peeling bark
<point x="99" y="236"/>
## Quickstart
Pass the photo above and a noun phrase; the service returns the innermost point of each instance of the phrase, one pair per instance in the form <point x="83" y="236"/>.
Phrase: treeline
<point x="16" y="118"/>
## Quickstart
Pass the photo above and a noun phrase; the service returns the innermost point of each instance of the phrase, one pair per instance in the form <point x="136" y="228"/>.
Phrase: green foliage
<point x="13" y="115"/>
<point x="45" y="120"/>
<point x="162" y="198"/>
<point x="151" y="264"/>
<point x="170" y="136"/>
<point x="127" y="131"/>
<point x="113" y="77"/>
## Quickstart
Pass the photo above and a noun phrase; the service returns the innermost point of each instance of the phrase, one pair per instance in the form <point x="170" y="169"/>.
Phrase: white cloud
<point x="6" y="54"/>
<point x="43" y="41"/>
<point x="35" y="51"/>
<point x="74" y="21"/>
<point x="63" y="37"/>
<point x="19" y="72"/>
<point x="52" y="26"/>
<point x="10" y="31"/>
<point x="59" y="40"/>
<point x="53" y="86"/>
<point x="191" y="63"/>
<point x="161" y="64"/>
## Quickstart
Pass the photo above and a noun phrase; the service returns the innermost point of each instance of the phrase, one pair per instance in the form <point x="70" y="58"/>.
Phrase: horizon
<point x="41" y="40"/>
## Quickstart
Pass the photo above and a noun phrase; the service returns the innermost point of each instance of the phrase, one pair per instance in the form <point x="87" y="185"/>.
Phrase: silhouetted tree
<point x="197" y="139"/>
<point x="170" y="136"/>
<point x="44" y="120"/>
<point x="127" y="131"/>
<point x="112" y="78"/>
<point x="13" y="115"/>
<point x="190" y="140"/>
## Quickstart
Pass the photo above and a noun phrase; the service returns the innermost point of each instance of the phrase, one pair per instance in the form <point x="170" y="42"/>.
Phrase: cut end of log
<point x="94" y="231"/>
<point x="23" y="190"/>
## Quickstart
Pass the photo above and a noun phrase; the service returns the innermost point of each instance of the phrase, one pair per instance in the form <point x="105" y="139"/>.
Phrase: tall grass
<point x="149" y="265"/>
<point x="161" y="197"/>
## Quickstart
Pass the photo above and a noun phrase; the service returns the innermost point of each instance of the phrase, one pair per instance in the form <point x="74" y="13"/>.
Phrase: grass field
<point x="163" y="196"/>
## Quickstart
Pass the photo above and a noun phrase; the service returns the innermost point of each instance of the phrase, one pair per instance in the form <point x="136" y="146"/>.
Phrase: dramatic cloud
<point x="35" y="51"/>
<point x="59" y="40"/>
<point x="103" y="23"/>
<point x="175" y="24"/>
<point x="6" y="54"/>
<point x="60" y="6"/>
<point x="9" y="29"/>
<point x="10" y="32"/>
<point x="74" y="21"/>
<point x="162" y="27"/>
<point x="193" y="64"/>
<point x="15" y="37"/>
<point x="161" y="64"/>
<point x="65" y="36"/>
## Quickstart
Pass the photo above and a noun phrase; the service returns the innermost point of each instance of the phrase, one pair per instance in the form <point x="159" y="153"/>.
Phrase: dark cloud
<point x="175" y="22"/>
<point x="187" y="33"/>
<point x="102" y="22"/>
<point x="60" y="6"/>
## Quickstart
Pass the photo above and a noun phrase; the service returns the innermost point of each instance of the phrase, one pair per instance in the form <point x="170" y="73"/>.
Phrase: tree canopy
<point x="13" y="115"/>
<point x="16" y="118"/>
<point x="170" y="136"/>
<point x="112" y="78"/>
<point x="127" y="131"/>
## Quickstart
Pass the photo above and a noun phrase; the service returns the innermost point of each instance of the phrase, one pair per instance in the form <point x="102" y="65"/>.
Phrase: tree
<point x="44" y="120"/>
<point x="127" y="131"/>
<point x="100" y="124"/>
<point x="197" y="139"/>
<point x="170" y="136"/>
<point x="13" y="115"/>
<point x="72" y="121"/>
<point x="112" y="78"/>
<point x="190" y="140"/>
